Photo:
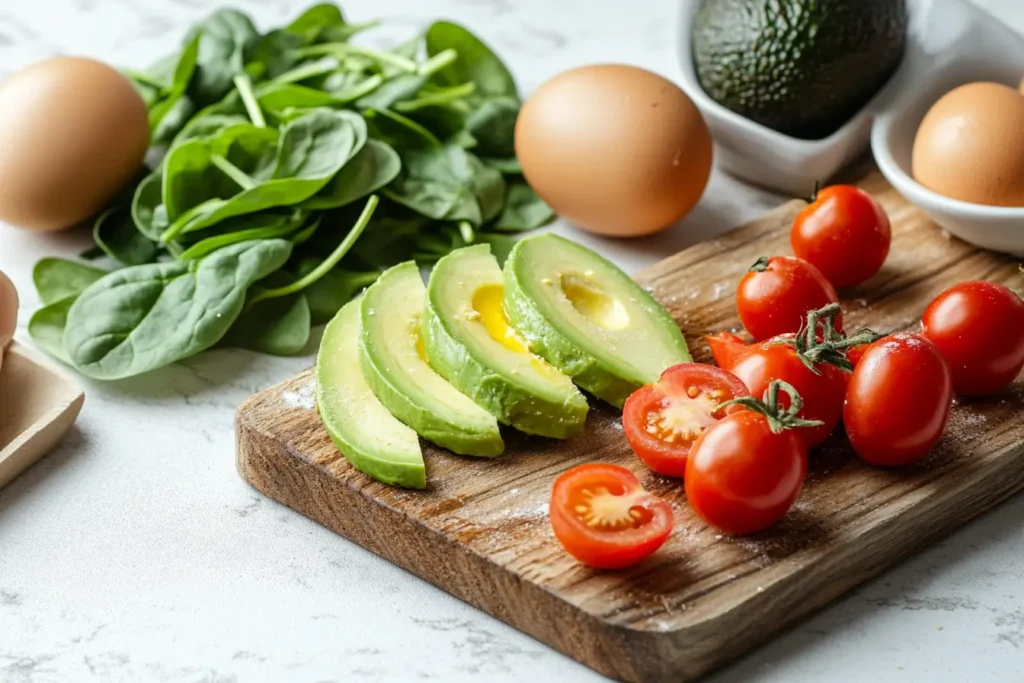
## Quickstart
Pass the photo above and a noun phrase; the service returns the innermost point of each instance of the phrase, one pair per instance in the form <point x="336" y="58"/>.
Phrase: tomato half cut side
<point x="662" y="421"/>
<point x="604" y="518"/>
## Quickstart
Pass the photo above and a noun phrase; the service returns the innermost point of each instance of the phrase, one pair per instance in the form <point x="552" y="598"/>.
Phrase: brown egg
<point x="615" y="149"/>
<point x="1021" y="86"/>
<point x="73" y="132"/>
<point x="970" y="147"/>
<point x="8" y="311"/>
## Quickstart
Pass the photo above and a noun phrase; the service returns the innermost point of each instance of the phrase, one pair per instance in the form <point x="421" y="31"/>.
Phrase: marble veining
<point x="135" y="553"/>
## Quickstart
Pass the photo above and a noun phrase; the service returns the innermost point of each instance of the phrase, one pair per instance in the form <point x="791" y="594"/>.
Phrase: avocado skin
<point x="511" y="404"/>
<point x="800" y="67"/>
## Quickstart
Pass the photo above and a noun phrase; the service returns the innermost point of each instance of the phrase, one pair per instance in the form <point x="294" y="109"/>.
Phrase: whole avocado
<point x="801" y="67"/>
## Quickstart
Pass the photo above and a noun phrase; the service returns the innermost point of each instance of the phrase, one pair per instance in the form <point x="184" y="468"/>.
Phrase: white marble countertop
<point x="135" y="553"/>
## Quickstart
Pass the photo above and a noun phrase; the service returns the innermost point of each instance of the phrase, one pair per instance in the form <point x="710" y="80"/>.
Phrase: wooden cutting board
<point x="481" y="530"/>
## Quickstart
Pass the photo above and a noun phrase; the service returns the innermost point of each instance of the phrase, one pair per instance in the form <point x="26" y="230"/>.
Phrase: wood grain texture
<point x="481" y="531"/>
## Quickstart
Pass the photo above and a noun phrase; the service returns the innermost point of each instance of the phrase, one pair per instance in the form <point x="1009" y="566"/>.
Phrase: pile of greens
<point x="291" y="168"/>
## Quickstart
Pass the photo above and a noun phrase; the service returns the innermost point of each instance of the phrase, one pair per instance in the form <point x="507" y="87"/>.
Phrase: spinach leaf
<point x="115" y="233"/>
<point x="46" y="327"/>
<point x="398" y="131"/>
<point x="476" y="63"/>
<point x="57" y="278"/>
<point x="278" y="327"/>
<point x="144" y="317"/>
<point x="311" y="24"/>
<point x="225" y="38"/>
<point x="493" y="126"/>
<point x="168" y="116"/>
<point x="373" y="167"/>
<point x="524" y="210"/>
<point x="449" y="183"/>
<point x="507" y="165"/>
<point x="148" y="212"/>
<point x="207" y="126"/>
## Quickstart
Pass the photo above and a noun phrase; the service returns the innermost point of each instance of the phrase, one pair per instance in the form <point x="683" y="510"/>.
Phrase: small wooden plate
<point x="38" y="405"/>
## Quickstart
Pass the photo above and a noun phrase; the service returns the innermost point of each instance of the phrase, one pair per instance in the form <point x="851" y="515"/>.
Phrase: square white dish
<point x="942" y="32"/>
<point x="38" y="405"/>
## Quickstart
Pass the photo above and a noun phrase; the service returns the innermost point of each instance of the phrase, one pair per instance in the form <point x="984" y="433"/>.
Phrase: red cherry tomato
<point x="855" y="353"/>
<point x="845" y="233"/>
<point x="742" y="476"/>
<point x="979" y="329"/>
<point x="662" y="420"/>
<point x="898" y="401"/>
<point x="605" y="519"/>
<point x="727" y="348"/>
<point x="823" y="392"/>
<point x="775" y="295"/>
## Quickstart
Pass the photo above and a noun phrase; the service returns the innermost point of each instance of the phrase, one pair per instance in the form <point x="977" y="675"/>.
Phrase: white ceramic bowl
<point x="950" y="42"/>
<point x="761" y="155"/>
<point x="962" y="48"/>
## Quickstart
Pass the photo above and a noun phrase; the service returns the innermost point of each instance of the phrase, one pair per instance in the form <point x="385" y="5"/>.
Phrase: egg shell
<point x="615" y="149"/>
<point x="8" y="311"/>
<point x="970" y="145"/>
<point x="73" y="132"/>
<point x="1021" y="86"/>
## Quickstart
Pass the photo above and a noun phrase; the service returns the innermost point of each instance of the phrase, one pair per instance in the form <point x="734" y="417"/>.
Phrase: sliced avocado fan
<point x="395" y="366"/>
<point x="470" y="342"/>
<point x="360" y="426"/>
<point x="589" y="319"/>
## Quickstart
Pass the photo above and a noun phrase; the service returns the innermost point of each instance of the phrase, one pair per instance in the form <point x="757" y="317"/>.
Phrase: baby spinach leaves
<point x="142" y="318"/>
<point x="249" y="225"/>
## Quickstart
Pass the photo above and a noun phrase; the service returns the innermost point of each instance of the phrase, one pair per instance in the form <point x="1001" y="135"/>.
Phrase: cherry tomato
<point x="727" y="348"/>
<point x="605" y="519"/>
<point x="898" y="401"/>
<point x="979" y="329"/>
<point x="662" y="420"/>
<point x="855" y="353"/>
<point x="845" y="233"/>
<point x="823" y="391"/>
<point x="775" y="295"/>
<point x="742" y="476"/>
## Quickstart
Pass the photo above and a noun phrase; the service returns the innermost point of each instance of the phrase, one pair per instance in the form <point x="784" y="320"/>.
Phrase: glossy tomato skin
<point x="727" y="348"/>
<point x="898" y="401"/>
<point x="823" y="393"/>
<point x="845" y="233"/>
<point x="637" y="523"/>
<point x="979" y="329"/>
<point x="742" y="477"/>
<point x="662" y="420"/>
<point x="776" y="300"/>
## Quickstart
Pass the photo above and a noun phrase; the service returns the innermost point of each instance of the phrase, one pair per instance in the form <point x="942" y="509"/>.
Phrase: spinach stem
<point x="252" y="106"/>
<point x="328" y="263"/>
<point x="342" y="50"/>
<point x="243" y="179"/>
<point x="361" y="89"/>
<point x="310" y="70"/>
<point x="466" y="231"/>
<point x="438" y="62"/>
<point x="442" y="96"/>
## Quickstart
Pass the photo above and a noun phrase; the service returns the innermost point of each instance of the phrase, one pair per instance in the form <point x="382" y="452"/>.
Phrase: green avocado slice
<point x="470" y="342"/>
<point x="361" y="427"/>
<point x="396" y="368"/>
<point x="589" y="319"/>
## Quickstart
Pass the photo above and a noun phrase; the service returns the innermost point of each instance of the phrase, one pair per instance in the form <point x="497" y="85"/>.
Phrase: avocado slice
<point x="396" y="368"/>
<point x="801" y="68"/>
<point x="361" y="427"/>
<point x="471" y="343"/>
<point x="589" y="319"/>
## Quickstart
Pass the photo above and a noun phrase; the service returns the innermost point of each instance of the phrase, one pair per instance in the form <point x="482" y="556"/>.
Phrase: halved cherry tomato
<point x="662" y="420"/>
<point x="605" y="519"/>
<point x="979" y="329"/>
<point x="747" y="470"/>
<point x="775" y="295"/>
<point x="845" y="233"/>
<point x="898" y="401"/>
